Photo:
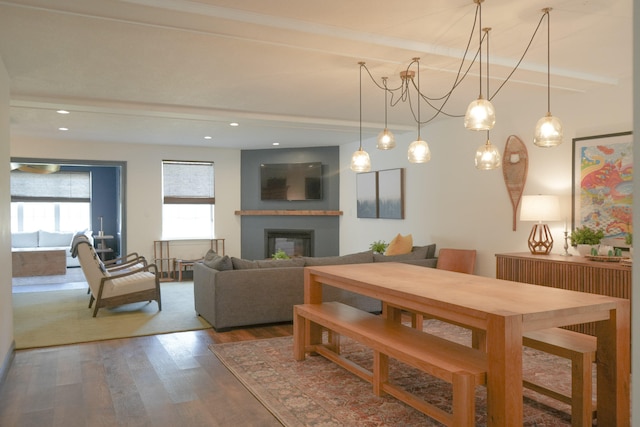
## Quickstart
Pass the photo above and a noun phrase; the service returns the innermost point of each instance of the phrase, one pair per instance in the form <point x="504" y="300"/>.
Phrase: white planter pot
<point x="584" y="250"/>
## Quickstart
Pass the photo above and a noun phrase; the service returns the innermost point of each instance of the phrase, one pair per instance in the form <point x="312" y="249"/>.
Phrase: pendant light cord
<point x="548" y="60"/>
<point x="361" y="65"/>
<point x="480" y="45"/>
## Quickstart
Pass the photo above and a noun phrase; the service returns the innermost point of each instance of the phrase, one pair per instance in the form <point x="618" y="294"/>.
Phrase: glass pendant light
<point x="386" y="140"/>
<point x="360" y="161"/>
<point x="548" y="131"/>
<point x="419" y="151"/>
<point x="487" y="156"/>
<point x="480" y="114"/>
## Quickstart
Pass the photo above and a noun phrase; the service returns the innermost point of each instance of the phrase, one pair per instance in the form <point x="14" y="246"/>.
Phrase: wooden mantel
<point x="289" y="212"/>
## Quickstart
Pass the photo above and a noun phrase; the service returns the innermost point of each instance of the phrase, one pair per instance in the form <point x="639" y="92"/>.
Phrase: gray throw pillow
<point x="397" y="258"/>
<point x="217" y="262"/>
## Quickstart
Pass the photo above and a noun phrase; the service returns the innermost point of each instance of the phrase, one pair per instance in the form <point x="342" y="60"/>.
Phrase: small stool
<point x="581" y="350"/>
<point x="182" y="265"/>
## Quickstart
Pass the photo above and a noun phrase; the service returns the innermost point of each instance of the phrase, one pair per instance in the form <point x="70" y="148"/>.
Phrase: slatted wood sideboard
<point x="575" y="273"/>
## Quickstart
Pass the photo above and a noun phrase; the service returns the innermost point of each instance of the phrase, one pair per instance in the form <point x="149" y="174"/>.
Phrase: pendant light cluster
<point x="480" y="114"/>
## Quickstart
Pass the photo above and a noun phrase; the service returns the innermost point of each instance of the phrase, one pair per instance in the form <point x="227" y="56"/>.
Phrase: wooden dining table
<point x="503" y="311"/>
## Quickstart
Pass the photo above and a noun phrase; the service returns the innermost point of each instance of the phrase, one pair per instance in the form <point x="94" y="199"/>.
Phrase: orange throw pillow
<point x="400" y="245"/>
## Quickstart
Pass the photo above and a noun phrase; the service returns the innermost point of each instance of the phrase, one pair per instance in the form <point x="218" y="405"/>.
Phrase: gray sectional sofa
<point x="233" y="292"/>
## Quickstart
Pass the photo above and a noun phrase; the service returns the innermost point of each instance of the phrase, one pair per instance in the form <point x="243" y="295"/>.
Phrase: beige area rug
<point x="43" y="319"/>
<point x="319" y="393"/>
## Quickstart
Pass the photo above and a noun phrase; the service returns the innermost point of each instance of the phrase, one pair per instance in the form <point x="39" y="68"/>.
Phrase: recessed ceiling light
<point x="62" y="112"/>
<point x="207" y="137"/>
<point x="63" y="129"/>
<point x="234" y="124"/>
<point x="276" y="143"/>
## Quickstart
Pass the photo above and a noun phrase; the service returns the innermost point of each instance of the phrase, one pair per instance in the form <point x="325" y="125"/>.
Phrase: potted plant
<point x="280" y="254"/>
<point x="585" y="238"/>
<point x="379" y="246"/>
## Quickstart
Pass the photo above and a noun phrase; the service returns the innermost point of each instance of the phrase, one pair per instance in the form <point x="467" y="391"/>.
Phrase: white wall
<point x="144" y="183"/>
<point x="450" y="203"/>
<point x="6" y="308"/>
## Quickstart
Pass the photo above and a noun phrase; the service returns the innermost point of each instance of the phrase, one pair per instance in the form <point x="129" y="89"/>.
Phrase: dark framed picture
<point x="367" y="194"/>
<point x="391" y="194"/>
<point x="602" y="184"/>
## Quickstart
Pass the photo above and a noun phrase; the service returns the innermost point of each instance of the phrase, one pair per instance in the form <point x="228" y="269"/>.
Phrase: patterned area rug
<point x="317" y="392"/>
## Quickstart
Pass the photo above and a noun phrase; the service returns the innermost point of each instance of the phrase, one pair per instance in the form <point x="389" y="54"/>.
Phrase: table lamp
<point x="540" y="209"/>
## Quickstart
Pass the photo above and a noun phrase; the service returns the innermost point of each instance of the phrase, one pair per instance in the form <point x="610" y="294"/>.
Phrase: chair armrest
<point x="126" y="258"/>
<point x="128" y="264"/>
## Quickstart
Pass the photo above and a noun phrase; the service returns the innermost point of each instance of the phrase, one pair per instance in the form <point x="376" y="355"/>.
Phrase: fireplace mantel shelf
<point x="290" y="212"/>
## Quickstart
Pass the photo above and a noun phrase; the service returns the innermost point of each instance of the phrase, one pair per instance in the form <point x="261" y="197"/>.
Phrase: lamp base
<point x="540" y="240"/>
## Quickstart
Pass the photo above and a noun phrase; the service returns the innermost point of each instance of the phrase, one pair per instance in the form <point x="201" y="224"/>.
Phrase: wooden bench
<point x="581" y="350"/>
<point x="463" y="367"/>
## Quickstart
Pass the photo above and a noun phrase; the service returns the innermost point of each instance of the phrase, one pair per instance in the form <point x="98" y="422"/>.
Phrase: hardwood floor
<point x="160" y="380"/>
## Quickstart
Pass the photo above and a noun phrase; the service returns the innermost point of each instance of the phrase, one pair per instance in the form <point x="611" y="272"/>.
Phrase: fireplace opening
<point x="295" y="243"/>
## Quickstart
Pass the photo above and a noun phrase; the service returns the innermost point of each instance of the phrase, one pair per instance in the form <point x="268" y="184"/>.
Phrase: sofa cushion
<point x="47" y="239"/>
<point x="399" y="258"/>
<point x="243" y="264"/>
<point x="357" y="258"/>
<point x="217" y="262"/>
<point x="273" y="263"/>
<point x="24" y="239"/>
<point x="430" y="250"/>
<point x="400" y="245"/>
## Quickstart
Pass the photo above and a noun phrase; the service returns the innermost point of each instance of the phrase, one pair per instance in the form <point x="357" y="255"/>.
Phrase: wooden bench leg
<point x="581" y="390"/>
<point x="299" y="339"/>
<point x="464" y="400"/>
<point x="380" y="372"/>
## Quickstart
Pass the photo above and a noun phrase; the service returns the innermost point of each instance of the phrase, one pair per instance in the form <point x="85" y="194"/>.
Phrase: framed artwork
<point x="367" y="194"/>
<point x="391" y="194"/>
<point x="602" y="184"/>
<point x="380" y="194"/>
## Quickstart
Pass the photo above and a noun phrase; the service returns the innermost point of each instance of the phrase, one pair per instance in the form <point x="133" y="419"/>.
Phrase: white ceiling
<point x="174" y="71"/>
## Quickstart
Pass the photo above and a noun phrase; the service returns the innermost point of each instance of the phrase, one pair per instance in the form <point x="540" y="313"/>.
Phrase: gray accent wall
<point x="327" y="228"/>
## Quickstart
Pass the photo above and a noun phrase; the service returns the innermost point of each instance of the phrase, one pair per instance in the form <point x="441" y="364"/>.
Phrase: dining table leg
<point x="504" y="370"/>
<point x="613" y="367"/>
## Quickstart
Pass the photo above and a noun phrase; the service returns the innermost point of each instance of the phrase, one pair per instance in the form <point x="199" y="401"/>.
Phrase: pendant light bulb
<point x="480" y="115"/>
<point x="488" y="157"/>
<point x="419" y="151"/>
<point x="386" y="140"/>
<point x="548" y="132"/>
<point x="360" y="161"/>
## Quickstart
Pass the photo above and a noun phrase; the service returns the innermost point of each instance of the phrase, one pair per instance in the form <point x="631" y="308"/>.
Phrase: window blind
<point x="63" y="186"/>
<point x="188" y="183"/>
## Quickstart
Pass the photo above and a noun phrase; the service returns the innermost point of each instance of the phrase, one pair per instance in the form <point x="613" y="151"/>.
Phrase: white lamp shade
<point x="540" y="208"/>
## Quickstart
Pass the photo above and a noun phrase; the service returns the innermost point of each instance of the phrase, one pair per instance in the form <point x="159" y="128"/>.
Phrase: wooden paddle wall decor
<point x="515" y="164"/>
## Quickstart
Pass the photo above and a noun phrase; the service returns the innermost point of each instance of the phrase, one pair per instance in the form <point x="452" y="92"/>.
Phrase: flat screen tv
<point x="291" y="181"/>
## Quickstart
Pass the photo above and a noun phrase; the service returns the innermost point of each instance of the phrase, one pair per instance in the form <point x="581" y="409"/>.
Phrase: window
<point x="188" y="200"/>
<point x="54" y="202"/>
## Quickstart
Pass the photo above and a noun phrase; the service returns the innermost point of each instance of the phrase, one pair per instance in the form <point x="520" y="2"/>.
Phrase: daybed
<point x="46" y="239"/>
<point x="233" y="292"/>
